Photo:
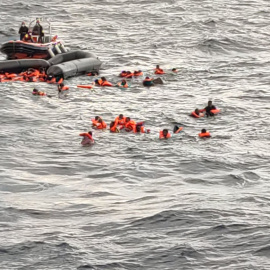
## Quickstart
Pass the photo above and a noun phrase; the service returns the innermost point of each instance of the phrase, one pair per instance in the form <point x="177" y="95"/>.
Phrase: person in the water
<point x="87" y="138"/>
<point x="148" y="82"/>
<point x="204" y="134"/>
<point x="165" y="134"/>
<point x="208" y="109"/>
<point x="36" y="92"/>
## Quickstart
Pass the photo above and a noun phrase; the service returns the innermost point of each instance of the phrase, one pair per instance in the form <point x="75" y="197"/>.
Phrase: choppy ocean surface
<point x="132" y="201"/>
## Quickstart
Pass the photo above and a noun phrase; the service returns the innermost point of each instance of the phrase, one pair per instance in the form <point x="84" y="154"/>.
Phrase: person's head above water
<point x="97" y="118"/>
<point x="112" y="124"/>
<point x="127" y="119"/>
<point x="209" y="103"/>
<point x="35" y="90"/>
<point x="197" y="111"/>
<point x="90" y="133"/>
<point x="203" y="130"/>
<point x="23" y="23"/>
<point x="157" y="66"/>
<point x="121" y="116"/>
<point x="103" y="78"/>
<point x="165" y="132"/>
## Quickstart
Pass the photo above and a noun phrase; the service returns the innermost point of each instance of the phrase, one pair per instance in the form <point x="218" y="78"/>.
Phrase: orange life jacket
<point x="65" y="87"/>
<point x="106" y="83"/>
<point x="85" y="86"/>
<point x="205" y="135"/>
<point x="142" y="130"/>
<point x="60" y="81"/>
<point x="114" y="129"/>
<point x="129" y="75"/>
<point x="53" y="80"/>
<point x="193" y="114"/>
<point x="87" y="135"/>
<point x="148" y="80"/>
<point x="131" y="125"/>
<point x="159" y="71"/>
<point x="101" y="125"/>
<point x="137" y="73"/>
<point x="42" y="76"/>
<point x="120" y="121"/>
<point x="178" y="130"/>
<point x="10" y="75"/>
<point x="161" y="136"/>
<point x="94" y="121"/>
<point x="34" y="73"/>
<point x="39" y="93"/>
<point x="215" y="111"/>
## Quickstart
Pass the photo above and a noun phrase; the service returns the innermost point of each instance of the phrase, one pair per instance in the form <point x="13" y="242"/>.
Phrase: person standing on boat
<point x="23" y="30"/>
<point x="38" y="31"/>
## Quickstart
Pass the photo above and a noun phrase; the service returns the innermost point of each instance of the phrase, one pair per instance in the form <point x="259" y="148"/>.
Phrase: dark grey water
<point x="132" y="201"/>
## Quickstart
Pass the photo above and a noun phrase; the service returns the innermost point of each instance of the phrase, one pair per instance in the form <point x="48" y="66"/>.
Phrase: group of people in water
<point x="122" y="123"/>
<point x="126" y="124"/>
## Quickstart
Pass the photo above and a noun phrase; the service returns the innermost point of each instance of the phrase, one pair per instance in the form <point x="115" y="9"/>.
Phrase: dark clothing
<point x="208" y="110"/>
<point x="148" y="83"/>
<point x="23" y="31"/>
<point x="37" y="30"/>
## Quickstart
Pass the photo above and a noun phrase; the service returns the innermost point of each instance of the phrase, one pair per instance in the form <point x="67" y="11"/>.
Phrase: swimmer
<point x="36" y="92"/>
<point x="113" y="127"/>
<point x="148" y="82"/>
<point x="122" y="84"/>
<point x="87" y="139"/>
<point x="101" y="124"/>
<point x="120" y="120"/>
<point x="165" y="134"/>
<point x="95" y="121"/>
<point x="208" y="109"/>
<point x="204" y="134"/>
<point x="197" y="114"/>
<point x="158" y="70"/>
